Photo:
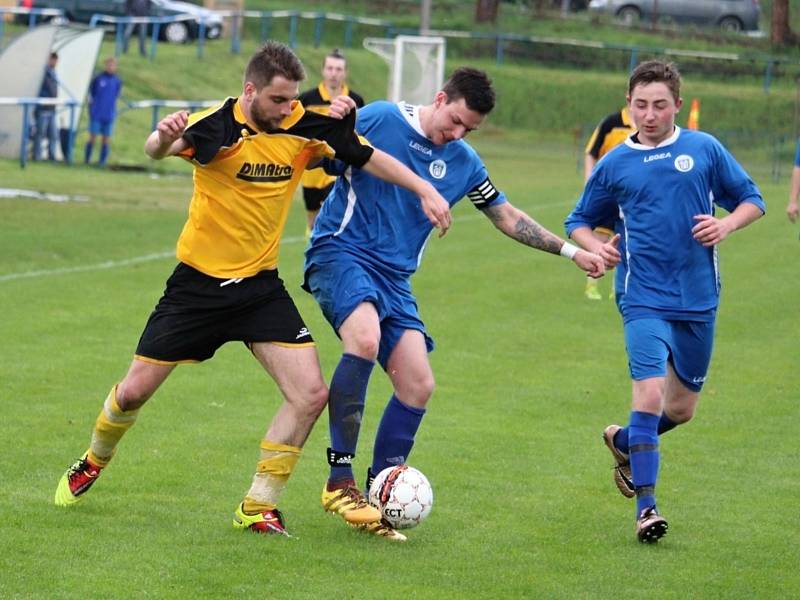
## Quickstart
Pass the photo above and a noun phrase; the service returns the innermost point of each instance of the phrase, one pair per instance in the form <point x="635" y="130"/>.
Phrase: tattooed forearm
<point x="529" y="232"/>
<point x="519" y="226"/>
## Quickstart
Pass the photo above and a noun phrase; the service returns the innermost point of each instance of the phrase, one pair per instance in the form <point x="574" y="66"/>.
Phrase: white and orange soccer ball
<point x="403" y="495"/>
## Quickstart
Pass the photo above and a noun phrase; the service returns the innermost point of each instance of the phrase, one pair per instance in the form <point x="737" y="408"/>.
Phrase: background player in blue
<point x="103" y="93"/>
<point x="664" y="183"/>
<point x="367" y="242"/>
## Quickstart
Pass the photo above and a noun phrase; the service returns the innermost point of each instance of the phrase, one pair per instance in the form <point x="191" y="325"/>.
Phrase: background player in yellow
<point x="608" y="134"/>
<point x="248" y="151"/>
<point x="316" y="183"/>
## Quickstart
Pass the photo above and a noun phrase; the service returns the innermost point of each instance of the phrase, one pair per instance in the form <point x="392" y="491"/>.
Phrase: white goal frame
<point x="393" y="52"/>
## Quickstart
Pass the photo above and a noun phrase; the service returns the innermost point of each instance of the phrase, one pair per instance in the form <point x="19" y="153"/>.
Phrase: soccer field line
<point x="114" y="264"/>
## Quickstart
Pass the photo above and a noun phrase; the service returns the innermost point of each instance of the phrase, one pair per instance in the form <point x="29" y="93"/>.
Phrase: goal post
<point x="416" y="65"/>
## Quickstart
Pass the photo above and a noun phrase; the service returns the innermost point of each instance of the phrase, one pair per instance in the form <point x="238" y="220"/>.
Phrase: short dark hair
<point x="273" y="58"/>
<point x="54" y="55"/>
<point x="335" y="53"/>
<point x="474" y="86"/>
<point x="656" y="71"/>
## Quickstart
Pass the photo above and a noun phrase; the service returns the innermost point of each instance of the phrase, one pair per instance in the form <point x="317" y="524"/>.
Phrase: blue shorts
<point x="340" y="286"/>
<point x="686" y="345"/>
<point x="101" y="127"/>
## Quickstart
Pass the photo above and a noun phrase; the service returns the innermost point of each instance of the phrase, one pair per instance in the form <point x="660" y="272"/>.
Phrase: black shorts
<point x="199" y="313"/>
<point x="314" y="197"/>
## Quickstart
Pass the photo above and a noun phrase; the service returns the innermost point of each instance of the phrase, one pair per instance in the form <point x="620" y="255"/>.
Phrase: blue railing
<point x="27" y="105"/>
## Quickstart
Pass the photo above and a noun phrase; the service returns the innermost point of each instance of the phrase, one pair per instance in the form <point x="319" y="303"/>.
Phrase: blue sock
<point x="345" y="406"/>
<point x="87" y="152"/>
<point x="395" y="436"/>
<point x="643" y="436"/>
<point x="103" y="155"/>
<point x="665" y="424"/>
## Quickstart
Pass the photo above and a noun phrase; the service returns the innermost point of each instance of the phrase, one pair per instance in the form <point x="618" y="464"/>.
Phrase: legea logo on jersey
<point x="437" y="169"/>
<point x="684" y="163"/>
<point x="420" y="148"/>
<point x="261" y="172"/>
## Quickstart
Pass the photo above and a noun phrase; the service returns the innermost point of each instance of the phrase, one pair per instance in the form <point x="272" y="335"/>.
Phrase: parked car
<point x="176" y="32"/>
<point x="729" y="15"/>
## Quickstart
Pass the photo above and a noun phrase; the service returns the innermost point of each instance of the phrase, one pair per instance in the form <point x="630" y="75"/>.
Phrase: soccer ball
<point x="403" y="495"/>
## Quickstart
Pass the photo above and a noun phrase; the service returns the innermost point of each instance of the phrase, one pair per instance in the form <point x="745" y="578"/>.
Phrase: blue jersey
<point x="103" y="91"/>
<point x="382" y="223"/>
<point x="656" y="193"/>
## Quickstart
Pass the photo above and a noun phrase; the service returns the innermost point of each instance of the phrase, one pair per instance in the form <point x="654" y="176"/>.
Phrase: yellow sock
<point x="110" y="426"/>
<point x="276" y="464"/>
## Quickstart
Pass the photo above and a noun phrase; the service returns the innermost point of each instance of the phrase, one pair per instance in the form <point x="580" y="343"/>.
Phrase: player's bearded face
<point x="653" y="109"/>
<point x="272" y="104"/>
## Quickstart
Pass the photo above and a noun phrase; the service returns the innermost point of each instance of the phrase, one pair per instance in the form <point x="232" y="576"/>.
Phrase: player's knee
<point x="365" y="345"/>
<point x="421" y="390"/>
<point x="131" y="395"/>
<point x="680" y="415"/>
<point x="316" y="398"/>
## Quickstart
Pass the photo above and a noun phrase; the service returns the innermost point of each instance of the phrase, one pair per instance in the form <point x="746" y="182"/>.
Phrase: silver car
<point x="729" y="15"/>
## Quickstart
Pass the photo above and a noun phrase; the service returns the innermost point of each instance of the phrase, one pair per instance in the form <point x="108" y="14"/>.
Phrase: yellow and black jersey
<point x="244" y="180"/>
<point x="612" y="131"/>
<point x="319" y="101"/>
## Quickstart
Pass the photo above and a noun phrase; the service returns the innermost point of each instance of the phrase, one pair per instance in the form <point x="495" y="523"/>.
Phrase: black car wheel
<point x="629" y="14"/>
<point x="730" y="23"/>
<point x="176" y="32"/>
<point x="213" y="32"/>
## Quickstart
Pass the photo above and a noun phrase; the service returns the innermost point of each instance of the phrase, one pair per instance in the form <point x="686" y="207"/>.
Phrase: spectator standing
<point x="103" y="93"/>
<point x="45" y="115"/>
<point x="136" y="8"/>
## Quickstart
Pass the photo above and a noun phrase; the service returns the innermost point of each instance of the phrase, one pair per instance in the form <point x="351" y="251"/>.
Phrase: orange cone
<point x="694" y="115"/>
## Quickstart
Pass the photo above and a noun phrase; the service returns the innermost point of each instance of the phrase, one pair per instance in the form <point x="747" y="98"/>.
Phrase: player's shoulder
<point x="380" y="107"/>
<point x="311" y="97"/>
<point x="698" y="137"/>
<point x="222" y="112"/>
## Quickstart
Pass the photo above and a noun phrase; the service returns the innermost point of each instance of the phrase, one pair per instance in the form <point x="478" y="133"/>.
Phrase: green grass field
<point x="529" y="373"/>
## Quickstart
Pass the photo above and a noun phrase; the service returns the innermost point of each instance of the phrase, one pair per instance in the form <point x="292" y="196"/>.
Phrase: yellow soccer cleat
<point x="382" y="529"/>
<point x="351" y="504"/>
<point x="591" y="292"/>
<point x="268" y="521"/>
<point x="80" y="476"/>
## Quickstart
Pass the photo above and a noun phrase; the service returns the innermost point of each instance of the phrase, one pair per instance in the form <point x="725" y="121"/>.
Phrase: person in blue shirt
<point x="664" y="184"/>
<point x="366" y="244"/>
<point x="45" y="114"/>
<point x="103" y="93"/>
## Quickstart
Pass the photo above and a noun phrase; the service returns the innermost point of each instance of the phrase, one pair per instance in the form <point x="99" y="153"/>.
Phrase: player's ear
<point x="440" y="99"/>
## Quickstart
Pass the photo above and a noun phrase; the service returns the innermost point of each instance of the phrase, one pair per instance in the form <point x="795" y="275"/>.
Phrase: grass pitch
<point x="529" y="373"/>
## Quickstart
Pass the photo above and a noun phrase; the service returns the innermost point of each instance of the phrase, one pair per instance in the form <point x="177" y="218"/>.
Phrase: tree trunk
<point x="781" y="34"/>
<point x="486" y="11"/>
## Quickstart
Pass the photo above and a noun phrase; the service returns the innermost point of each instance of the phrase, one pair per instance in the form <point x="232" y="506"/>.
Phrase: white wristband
<point x="568" y="250"/>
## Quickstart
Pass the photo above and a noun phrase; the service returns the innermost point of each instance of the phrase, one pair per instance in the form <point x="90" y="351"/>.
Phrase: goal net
<point x="416" y="66"/>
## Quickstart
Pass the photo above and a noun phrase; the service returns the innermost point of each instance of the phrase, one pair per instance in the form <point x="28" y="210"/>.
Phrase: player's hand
<point x="436" y="208"/>
<point x="710" y="230"/>
<point x="341" y="106"/>
<point x="593" y="264"/>
<point x="792" y="210"/>
<point x="171" y="127"/>
<point x="609" y="252"/>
